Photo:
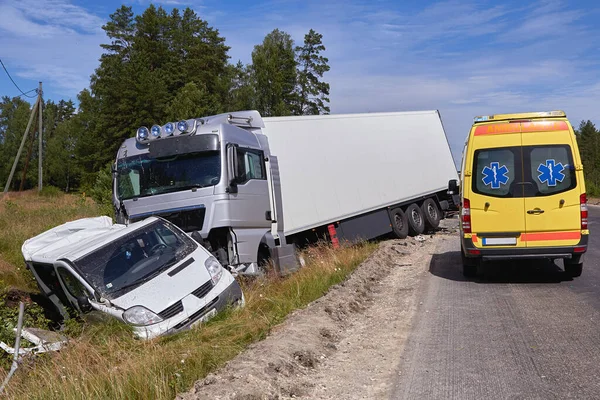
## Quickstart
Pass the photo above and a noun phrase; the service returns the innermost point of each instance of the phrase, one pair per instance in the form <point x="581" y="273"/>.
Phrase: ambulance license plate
<point x="499" y="241"/>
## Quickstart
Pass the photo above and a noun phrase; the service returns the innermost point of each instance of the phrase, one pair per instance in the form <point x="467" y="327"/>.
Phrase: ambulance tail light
<point x="584" y="211"/>
<point x="466" y="216"/>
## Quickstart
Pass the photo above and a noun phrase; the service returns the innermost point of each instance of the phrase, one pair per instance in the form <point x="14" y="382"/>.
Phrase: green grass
<point x="104" y="360"/>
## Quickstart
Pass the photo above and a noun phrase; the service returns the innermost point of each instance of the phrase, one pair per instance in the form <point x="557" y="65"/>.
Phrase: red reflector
<point x="474" y="252"/>
<point x="579" y="249"/>
<point x="584" y="211"/>
<point x="466" y="216"/>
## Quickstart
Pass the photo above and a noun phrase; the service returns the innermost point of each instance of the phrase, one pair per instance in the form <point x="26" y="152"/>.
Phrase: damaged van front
<point x="149" y="274"/>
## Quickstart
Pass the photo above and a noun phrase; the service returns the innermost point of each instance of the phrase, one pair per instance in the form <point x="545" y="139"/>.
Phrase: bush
<point x="50" y="191"/>
<point x="102" y="191"/>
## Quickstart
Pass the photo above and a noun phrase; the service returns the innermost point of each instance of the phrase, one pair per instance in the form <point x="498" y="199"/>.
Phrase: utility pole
<point x="14" y="167"/>
<point x="41" y="103"/>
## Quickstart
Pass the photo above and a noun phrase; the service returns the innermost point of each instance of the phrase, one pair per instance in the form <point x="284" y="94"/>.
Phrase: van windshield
<point x="135" y="258"/>
<point x="528" y="171"/>
<point x="140" y="175"/>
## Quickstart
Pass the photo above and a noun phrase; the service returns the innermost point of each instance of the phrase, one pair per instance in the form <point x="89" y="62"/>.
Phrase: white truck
<point x="251" y="188"/>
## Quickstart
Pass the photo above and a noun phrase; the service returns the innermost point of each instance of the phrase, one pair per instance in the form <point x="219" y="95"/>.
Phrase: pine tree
<point x="312" y="93"/>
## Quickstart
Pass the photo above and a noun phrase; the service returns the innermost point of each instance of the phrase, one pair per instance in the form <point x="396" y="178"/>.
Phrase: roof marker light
<point x="155" y="132"/>
<point x="170" y="128"/>
<point x="142" y="133"/>
<point x="182" y="126"/>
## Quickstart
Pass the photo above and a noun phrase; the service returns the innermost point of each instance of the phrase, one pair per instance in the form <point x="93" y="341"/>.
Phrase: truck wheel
<point x="431" y="213"/>
<point x="399" y="223"/>
<point x="573" y="270"/>
<point x="416" y="221"/>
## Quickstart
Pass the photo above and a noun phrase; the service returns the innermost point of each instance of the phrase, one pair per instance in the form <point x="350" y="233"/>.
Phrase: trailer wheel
<point x="431" y="212"/>
<point x="399" y="223"/>
<point x="416" y="221"/>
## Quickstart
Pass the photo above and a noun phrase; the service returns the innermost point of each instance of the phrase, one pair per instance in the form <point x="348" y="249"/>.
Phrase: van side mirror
<point x="453" y="186"/>
<point x="232" y="168"/>
<point x="84" y="304"/>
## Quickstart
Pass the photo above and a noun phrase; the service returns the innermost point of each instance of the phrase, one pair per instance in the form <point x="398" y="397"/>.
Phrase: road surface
<point x="522" y="332"/>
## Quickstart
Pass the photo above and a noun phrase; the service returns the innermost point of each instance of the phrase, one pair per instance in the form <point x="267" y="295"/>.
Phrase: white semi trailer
<point x="251" y="188"/>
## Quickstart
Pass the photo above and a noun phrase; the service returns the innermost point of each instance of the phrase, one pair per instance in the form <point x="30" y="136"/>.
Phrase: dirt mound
<point x="334" y="333"/>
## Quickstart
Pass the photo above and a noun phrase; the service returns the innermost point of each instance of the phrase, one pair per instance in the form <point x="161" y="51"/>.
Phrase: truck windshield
<point x="140" y="175"/>
<point x="135" y="258"/>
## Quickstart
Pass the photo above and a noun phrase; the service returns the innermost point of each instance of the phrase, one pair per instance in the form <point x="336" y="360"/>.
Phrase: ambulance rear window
<point x="551" y="169"/>
<point x="494" y="171"/>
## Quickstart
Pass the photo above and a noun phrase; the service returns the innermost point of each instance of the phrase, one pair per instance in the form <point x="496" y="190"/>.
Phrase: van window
<point x="551" y="169"/>
<point x="495" y="170"/>
<point x="527" y="171"/>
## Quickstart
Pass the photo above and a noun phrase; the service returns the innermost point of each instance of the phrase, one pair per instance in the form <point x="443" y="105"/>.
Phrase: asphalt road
<point x="522" y="331"/>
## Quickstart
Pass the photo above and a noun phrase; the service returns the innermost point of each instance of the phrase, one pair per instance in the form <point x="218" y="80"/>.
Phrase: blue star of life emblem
<point x="495" y="175"/>
<point x="551" y="172"/>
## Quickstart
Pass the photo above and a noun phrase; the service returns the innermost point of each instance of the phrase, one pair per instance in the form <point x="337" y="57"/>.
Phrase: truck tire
<point x="399" y="223"/>
<point x="416" y="221"/>
<point x="432" y="214"/>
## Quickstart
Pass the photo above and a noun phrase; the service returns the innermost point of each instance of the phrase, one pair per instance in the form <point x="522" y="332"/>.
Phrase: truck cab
<point x="213" y="177"/>
<point x="523" y="191"/>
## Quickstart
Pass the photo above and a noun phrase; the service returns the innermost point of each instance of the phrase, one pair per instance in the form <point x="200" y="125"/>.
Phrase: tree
<point x="312" y="93"/>
<point x="274" y="71"/>
<point x="588" y="138"/>
<point x="192" y="102"/>
<point x="241" y="88"/>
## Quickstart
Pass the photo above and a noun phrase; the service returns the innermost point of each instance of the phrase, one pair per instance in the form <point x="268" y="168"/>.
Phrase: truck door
<point x="551" y="197"/>
<point x="73" y="286"/>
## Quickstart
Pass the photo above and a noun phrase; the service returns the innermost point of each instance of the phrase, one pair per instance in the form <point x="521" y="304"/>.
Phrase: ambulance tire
<point x="431" y="212"/>
<point x="573" y="270"/>
<point x="416" y="220"/>
<point x="399" y="223"/>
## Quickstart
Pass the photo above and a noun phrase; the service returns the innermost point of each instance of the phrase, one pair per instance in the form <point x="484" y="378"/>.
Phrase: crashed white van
<point x="149" y="274"/>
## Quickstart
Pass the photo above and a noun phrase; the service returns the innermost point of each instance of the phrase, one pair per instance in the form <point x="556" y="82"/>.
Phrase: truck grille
<point x="172" y="310"/>
<point x="203" y="290"/>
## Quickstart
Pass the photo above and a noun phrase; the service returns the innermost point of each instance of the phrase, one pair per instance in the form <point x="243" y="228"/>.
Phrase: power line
<point x="32" y="90"/>
<point x="14" y="83"/>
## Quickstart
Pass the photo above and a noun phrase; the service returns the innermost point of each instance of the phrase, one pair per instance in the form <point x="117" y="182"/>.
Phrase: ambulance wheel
<point x="573" y="270"/>
<point x="399" y="223"/>
<point x="431" y="213"/>
<point x="469" y="265"/>
<point x="416" y="220"/>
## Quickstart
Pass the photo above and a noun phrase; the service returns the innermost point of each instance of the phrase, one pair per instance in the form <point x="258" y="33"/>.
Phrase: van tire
<point x="416" y="220"/>
<point x="573" y="270"/>
<point x="431" y="212"/>
<point x="399" y="223"/>
<point x="469" y="265"/>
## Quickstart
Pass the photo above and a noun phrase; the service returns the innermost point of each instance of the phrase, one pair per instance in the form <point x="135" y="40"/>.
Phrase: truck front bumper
<point x="519" y="253"/>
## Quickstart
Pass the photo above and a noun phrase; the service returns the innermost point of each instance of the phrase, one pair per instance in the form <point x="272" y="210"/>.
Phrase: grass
<point x="103" y="360"/>
<point x="26" y="214"/>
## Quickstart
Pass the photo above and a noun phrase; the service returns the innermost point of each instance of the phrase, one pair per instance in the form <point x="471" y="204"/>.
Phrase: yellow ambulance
<point x="522" y="191"/>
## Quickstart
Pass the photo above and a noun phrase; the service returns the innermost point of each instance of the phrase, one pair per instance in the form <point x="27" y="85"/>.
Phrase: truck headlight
<point x="141" y="316"/>
<point x="215" y="270"/>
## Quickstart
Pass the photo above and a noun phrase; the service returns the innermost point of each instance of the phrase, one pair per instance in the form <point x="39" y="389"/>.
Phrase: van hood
<point x="170" y="286"/>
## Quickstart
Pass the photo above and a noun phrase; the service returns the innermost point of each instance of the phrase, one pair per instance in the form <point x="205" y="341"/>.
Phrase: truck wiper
<point x="184" y="187"/>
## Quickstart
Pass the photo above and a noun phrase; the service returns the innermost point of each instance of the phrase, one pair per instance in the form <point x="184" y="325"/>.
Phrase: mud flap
<point x="285" y="259"/>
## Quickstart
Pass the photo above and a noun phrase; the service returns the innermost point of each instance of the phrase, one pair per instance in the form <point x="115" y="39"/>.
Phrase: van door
<point x="552" y="197"/>
<point x="73" y="286"/>
<point x="497" y="203"/>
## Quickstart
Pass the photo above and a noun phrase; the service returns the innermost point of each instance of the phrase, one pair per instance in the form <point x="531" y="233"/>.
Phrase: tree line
<point x="159" y="67"/>
<point x="588" y="141"/>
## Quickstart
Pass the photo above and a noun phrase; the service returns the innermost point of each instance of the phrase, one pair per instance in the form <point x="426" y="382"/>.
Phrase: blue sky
<point x="464" y="58"/>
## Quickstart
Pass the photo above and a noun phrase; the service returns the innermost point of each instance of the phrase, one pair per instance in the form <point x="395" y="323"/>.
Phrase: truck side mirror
<point x="232" y="168"/>
<point x="453" y="186"/>
<point x="84" y="304"/>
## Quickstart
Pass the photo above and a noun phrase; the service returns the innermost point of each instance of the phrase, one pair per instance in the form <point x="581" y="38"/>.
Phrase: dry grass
<point x="26" y="214"/>
<point x="106" y="362"/>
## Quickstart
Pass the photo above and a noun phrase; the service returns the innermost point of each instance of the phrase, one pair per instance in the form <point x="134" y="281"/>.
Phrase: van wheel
<point x="416" y="221"/>
<point x="431" y="212"/>
<point x="573" y="270"/>
<point x="399" y="223"/>
<point x="469" y="265"/>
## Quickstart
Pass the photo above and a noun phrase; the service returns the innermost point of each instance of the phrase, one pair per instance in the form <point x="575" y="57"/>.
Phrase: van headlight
<point x="140" y="316"/>
<point x="215" y="270"/>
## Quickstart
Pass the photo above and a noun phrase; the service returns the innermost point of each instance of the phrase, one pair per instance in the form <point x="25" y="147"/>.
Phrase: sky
<point x="463" y="58"/>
